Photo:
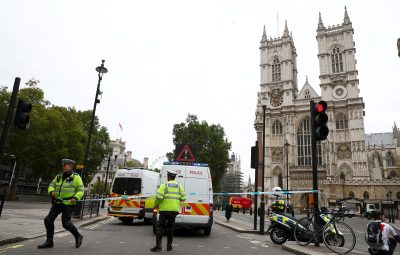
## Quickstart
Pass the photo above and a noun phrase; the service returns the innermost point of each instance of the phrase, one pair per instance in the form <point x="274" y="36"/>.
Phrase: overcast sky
<point x="170" y="58"/>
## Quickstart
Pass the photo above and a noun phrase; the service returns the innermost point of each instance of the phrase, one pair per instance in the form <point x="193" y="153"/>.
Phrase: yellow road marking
<point x="11" y="247"/>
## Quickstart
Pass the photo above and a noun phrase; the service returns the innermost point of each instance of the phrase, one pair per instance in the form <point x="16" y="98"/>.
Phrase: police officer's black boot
<point x="78" y="241"/>
<point x="157" y="247"/>
<point x="47" y="244"/>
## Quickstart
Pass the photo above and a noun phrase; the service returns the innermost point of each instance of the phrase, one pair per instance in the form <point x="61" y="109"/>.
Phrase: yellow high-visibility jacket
<point x="169" y="196"/>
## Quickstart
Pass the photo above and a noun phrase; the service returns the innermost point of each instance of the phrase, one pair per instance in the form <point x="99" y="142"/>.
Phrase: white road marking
<point x="255" y="241"/>
<point x="122" y="242"/>
<point x="221" y="233"/>
<point x="98" y="242"/>
<point x="252" y="247"/>
<point x="263" y="245"/>
<point x="227" y="247"/>
<point x="201" y="246"/>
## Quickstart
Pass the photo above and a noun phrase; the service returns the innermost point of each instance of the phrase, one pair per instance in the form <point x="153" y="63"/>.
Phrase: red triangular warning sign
<point x="186" y="155"/>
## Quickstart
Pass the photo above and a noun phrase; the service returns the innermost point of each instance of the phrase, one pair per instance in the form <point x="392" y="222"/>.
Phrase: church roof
<point x="311" y="92"/>
<point x="379" y="138"/>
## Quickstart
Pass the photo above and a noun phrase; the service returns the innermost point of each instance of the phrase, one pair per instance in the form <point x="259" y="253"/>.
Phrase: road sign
<point x="185" y="153"/>
<point x="79" y="166"/>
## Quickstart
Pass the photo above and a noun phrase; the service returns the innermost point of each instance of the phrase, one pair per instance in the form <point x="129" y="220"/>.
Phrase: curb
<point x="240" y="230"/>
<point x="293" y="250"/>
<point x="12" y="240"/>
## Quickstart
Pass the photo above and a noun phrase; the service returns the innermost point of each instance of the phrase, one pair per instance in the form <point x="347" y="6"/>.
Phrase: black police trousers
<point x="55" y="210"/>
<point x="165" y="223"/>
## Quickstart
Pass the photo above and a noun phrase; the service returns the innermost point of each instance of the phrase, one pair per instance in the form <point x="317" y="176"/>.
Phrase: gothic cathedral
<point x="344" y="167"/>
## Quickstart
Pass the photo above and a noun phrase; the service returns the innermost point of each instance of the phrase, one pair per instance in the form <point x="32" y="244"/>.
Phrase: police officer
<point x="66" y="189"/>
<point x="169" y="197"/>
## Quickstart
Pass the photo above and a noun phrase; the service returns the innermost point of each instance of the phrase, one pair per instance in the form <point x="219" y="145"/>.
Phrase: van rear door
<point x="196" y="206"/>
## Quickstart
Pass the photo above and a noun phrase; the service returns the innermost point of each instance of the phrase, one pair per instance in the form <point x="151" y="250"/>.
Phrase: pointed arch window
<point x="366" y="195"/>
<point x="351" y="194"/>
<point x="277" y="128"/>
<point x="304" y="144"/>
<point x="276" y="70"/>
<point x="280" y="180"/>
<point x="341" y="121"/>
<point x="337" y="61"/>
<point x="389" y="159"/>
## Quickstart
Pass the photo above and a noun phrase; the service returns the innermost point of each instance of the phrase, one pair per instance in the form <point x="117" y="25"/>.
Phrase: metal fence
<point x="90" y="205"/>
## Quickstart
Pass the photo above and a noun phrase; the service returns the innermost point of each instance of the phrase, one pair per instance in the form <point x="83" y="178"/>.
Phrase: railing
<point x="88" y="206"/>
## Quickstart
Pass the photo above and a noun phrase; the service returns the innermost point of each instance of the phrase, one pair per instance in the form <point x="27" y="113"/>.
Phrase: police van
<point x="197" y="211"/>
<point x="133" y="182"/>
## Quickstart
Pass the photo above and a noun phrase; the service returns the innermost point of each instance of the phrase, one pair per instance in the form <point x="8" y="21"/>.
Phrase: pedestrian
<point x="381" y="237"/>
<point x="169" y="197"/>
<point x="65" y="190"/>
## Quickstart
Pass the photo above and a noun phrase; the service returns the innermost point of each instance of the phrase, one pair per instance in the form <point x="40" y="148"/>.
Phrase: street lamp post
<point x="264" y="102"/>
<point x="287" y="168"/>
<point x="125" y="160"/>
<point x="101" y="70"/>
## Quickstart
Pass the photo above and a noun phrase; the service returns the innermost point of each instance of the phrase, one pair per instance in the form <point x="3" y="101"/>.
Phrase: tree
<point x="56" y="132"/>
<point x="98" y="188"/>
<point x="212" y="146"/>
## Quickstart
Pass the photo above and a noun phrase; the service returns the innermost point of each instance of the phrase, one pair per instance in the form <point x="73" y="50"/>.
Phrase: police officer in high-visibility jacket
<point x="66" y="189"/>
<point x="169" y="197"/>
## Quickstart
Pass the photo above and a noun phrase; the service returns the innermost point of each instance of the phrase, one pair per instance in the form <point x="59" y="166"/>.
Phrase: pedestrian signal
<point x="21" y="118"/>
<point x="319" y="120"/>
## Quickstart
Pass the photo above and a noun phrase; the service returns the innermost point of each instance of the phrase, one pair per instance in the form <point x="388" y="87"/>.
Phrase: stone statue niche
<point x="376" y="170"/>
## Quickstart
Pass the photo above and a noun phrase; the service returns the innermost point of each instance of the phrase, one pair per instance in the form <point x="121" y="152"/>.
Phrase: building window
<point x="337" y="61"/>
<point x="277" y="128"/>
<point x="351" y="194"/>
<point x="398" y="195"/>
<point x="280" y="181"/>
<point x="342" y="176"/>
<point x="276" y="70"/>
<point x="304" y="144"/>
<point x="307" y="94"/>
<point x="341" y="121"/>
<point x="366" y="195"/>
<point x="389" y="159"/>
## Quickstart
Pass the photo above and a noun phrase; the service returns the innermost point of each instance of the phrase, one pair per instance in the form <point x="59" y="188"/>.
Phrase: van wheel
<point x="207" y="231"/>
<point x="126" y="221"/>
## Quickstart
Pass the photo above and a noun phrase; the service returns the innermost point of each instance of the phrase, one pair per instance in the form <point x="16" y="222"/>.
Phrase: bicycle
<point x="336" y="235"/>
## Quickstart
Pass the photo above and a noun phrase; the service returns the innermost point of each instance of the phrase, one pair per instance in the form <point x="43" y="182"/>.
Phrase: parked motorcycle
<point x="282" y="224"/>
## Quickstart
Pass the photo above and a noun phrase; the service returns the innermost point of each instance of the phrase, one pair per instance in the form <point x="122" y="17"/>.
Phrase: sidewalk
<point x="20" y="221"/>
<point x="247" y="227"/>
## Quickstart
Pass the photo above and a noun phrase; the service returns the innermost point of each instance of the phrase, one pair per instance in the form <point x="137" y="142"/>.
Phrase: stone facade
<point x="348" y="163"/>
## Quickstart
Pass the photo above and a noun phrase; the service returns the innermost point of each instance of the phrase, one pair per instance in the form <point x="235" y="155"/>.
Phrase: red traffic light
<point x="321" y="106"/>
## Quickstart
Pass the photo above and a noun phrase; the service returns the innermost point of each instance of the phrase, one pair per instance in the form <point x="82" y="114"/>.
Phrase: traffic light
<point x="320" y="119"/>
<point x="21" y="118"/>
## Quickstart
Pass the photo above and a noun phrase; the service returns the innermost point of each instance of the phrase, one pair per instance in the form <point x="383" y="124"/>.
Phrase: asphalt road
<point x="111" y="237"/>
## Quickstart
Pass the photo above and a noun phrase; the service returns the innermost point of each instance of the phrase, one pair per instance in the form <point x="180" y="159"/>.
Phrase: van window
<point x="127" y="186"/>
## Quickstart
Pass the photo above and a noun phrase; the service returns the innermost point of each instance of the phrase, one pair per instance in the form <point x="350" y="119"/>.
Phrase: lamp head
<point x="264" y="101"/>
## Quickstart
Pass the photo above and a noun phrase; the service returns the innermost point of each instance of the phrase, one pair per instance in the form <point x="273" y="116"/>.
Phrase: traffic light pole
<point x="9" y="116"/>
<point x="255" y="152"/>
<point x="6" y="127"/>
<point x="314" y="172"/>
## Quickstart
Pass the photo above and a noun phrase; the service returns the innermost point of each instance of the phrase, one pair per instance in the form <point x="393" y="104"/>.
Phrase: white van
<point x="197" y="210"/>
<point x="133" y="182"/>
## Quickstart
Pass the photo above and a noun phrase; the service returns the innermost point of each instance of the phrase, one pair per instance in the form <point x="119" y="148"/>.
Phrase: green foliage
<point x="55" y="133"/>
<point x="98" y="188"/>
<point x="212" y="146"/>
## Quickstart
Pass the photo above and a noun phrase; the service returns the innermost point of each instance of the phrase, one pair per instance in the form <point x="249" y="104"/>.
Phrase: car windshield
<point x="127" y="186"/>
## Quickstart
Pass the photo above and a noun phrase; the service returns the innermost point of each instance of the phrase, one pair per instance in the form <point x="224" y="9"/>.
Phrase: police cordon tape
<point x="275" y="193"/>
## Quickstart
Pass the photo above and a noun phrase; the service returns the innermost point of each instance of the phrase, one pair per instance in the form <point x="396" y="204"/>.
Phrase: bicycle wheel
<point x="304" y="231"/>
<point x="339" y="237"/>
